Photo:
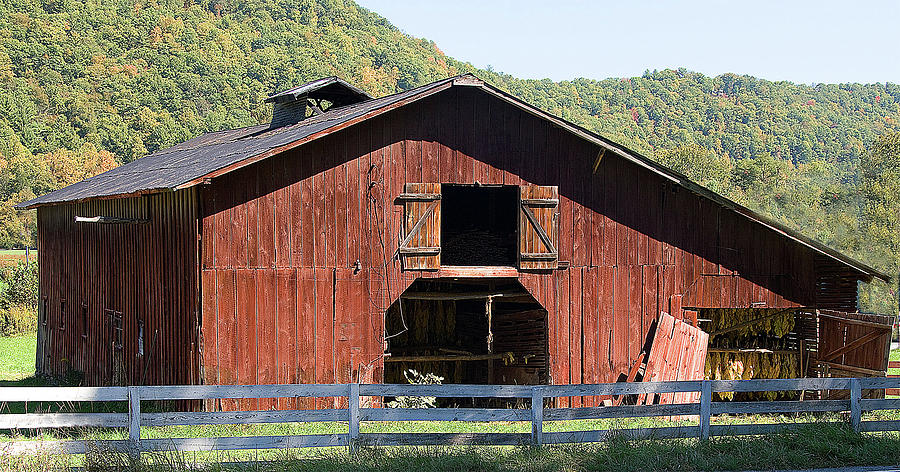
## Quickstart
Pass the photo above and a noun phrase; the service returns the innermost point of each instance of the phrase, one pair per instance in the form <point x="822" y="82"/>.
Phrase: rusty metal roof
<point x="174" y="167"/>
<point x="214" y="154"/>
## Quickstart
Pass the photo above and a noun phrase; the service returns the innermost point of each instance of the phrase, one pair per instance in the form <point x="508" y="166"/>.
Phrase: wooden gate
<point x="853" y="345"/>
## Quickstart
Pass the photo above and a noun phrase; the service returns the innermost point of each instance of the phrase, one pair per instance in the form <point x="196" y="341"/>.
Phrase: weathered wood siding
<point x="147" y="272"/>
<point x="285" y="301"/>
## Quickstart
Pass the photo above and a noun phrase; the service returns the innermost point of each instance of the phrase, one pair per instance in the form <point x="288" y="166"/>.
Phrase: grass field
<point x="10" y="257"/>
<point x="821" y="441"/>
<point x="17" y="357"/>
<point x="822" y="444"/>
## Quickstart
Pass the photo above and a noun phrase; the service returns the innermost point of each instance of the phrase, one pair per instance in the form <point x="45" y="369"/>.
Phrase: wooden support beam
<point x="478" y="272"/>
<point x="749" y="323"/>
<point x="456" y="358"/>
<point x="460" y="296"/>
<point x="851" y="346"/>
<point x="418" y="197"/>
<point x="853" y="369"/>
<point x="870" y="324"/>
<point x="110" y="220"/>
<point x="761" y="351"/>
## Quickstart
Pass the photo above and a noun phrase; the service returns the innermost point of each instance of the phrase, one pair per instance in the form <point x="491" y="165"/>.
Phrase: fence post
<point x="537" y="415"/>
<point x="353" y="406"/>
<point x="855" y="408"/>
<point x="134" y="420"/>
<point x="705" y="408"/>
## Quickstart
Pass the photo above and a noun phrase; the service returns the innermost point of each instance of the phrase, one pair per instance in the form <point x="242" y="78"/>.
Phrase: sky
<point x="805" y="42"/>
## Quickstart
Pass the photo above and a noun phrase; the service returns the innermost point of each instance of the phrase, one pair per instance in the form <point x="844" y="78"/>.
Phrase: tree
<point x="698" y="164"/>
<point x="880" y="187"/>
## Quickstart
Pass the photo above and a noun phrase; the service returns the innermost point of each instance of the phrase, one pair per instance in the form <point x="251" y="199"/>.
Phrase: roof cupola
<point x="296" y="104"/>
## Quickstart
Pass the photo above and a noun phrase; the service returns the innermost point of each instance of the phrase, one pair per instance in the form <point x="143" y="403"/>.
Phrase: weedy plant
<point x="417" y="378"/>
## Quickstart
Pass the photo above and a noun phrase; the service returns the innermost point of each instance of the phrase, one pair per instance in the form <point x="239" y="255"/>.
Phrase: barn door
<point x="538" y="230"/>
<point x="854" y="343"/>
<point x="421" y="244"/>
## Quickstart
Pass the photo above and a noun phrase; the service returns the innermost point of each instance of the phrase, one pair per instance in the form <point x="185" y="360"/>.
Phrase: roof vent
<point x="298" y="103"/>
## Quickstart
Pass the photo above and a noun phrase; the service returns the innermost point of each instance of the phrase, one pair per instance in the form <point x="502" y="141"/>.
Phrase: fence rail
<point x="703" y="411"/>
<point x="893" y="365"/>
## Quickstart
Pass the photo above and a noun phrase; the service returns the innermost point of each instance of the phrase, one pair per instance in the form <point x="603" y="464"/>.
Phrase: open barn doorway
<point x="473" y="331"/>
<point x="479" y="225"/>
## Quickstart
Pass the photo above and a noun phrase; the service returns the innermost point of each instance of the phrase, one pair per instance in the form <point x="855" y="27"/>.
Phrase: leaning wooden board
<point x="678" y="352"/>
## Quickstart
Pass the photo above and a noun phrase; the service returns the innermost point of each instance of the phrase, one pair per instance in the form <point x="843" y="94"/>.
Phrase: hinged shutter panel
<point x="421" y="244"/>
<point x="538" y="227"/>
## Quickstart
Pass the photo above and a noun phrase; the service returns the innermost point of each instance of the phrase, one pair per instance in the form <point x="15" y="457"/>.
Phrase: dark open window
<point x="479" y="224"/>
<point x="84" y="320"/>
<point x="62" y="315"/>
<point x="140" y="337"/>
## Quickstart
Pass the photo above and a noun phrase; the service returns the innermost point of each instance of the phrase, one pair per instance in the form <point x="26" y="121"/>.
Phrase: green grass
<point x="895" y="356"/>
<point x="822" y="441"/>
<point x="819" y="445"/>
<point x="17" y="357"/>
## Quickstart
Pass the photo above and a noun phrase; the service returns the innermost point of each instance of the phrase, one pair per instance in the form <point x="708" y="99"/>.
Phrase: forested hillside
<point x="85" y="86"/>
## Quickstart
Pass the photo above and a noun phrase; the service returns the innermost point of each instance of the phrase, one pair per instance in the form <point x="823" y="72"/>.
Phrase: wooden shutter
<point x="538" y="227"/>
<point x="421" y="244"/>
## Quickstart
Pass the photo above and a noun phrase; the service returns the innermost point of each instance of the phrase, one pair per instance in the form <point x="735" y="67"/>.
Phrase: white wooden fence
<point x="134" y="419"/>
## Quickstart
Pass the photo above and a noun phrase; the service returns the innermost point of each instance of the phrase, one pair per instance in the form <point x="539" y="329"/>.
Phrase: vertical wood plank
<point x="269" y="341"/>
<point x="325" y="354"/>
<point x="227" y="329"/>
<point x="288" y="331"/>
<point x="635" y="296"/>
<point x="606" y="323"/>
<point x="341" y="208"/>
<point x="309" y="242"/>
<point x="621" y="329"/>
<point x="575" y="326"/>
<point x="210" y="335"/>
<point x="590" y="333"/>
<point x="252" y="204"/>
<point x="563" y="355"/>
<point x="330" y="195"/>
<point x="318" y="198"/>
<point x="307" y="348"/>
<point x="245" y="315"/>
<point x="267" y="207"/>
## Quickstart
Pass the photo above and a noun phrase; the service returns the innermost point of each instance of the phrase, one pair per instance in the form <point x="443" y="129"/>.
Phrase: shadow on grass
<point x="810" y="445"/>
<point x="56" y="407"/>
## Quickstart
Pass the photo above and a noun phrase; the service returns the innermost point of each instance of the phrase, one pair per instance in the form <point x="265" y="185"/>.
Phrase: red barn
<point x="450" y="228"/>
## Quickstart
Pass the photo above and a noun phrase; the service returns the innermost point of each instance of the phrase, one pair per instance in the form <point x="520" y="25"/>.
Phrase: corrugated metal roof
<point x="193" y="159"/>
<point x="213" y="154"/>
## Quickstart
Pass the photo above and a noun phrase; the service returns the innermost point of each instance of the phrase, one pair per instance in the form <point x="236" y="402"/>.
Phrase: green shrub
<point x="17" y="320"/>
<point x="21" y="288"/>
